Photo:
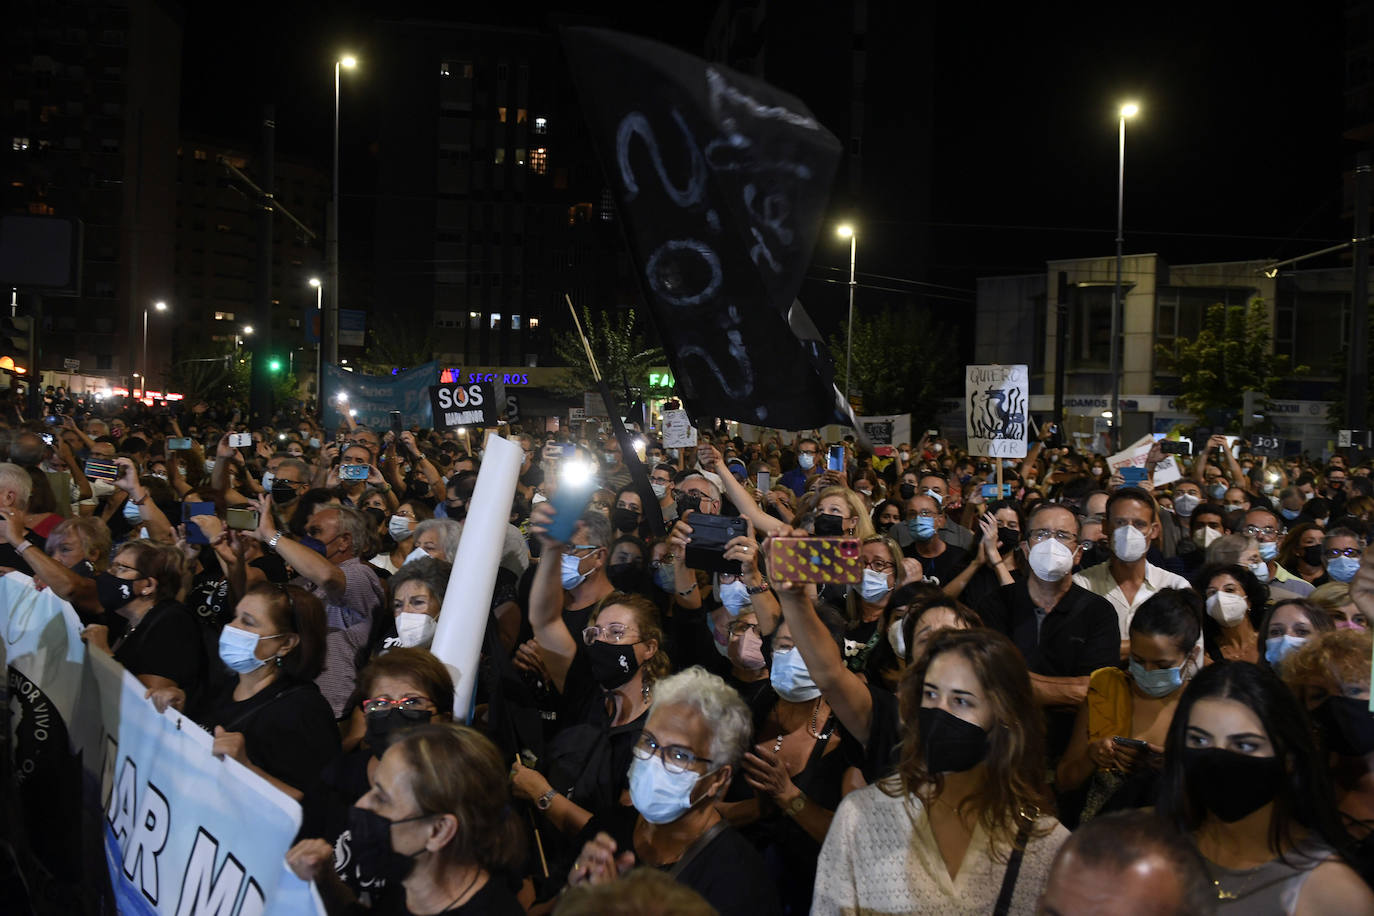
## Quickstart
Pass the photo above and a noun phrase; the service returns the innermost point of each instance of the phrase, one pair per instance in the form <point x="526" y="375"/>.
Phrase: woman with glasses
<point x="270" y="716"/>
<point x="1341" y="551"/>
<point x="958" y="828"/>
<point x="748" y="659"/>
<point x="400" y="690"/>
<point x="683" y="761"/>
<point x="436" y="826"/>
<point x="864" y="603"/>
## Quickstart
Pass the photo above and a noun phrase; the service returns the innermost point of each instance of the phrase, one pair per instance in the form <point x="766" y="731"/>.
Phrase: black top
<point x="1078" y="636"/>
<point x="167" y="643"/>
<point x="943" y="569"/>
<point x="13" y="559"/>
<point x="288" y="728"/>
<point x="494" y="899"/>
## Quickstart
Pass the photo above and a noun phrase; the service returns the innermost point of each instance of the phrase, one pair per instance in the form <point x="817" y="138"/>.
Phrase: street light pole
<point x="847" y="231"/>
<point x="143" y="368"/>
<point x="1128" y="110"/>
<point x="319" y="343"/>
<point x="330" y="328"/>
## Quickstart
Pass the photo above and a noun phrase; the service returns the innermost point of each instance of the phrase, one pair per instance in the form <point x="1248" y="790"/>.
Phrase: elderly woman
<point x="1334" y="598"/>
<point x="77" y="552"/>
<point x="683" y="762"/>
<point x="439" y="538"/>
<point x="417" y="595"/>
<point x="435" y="825"/>
<point x="965" y="802"/>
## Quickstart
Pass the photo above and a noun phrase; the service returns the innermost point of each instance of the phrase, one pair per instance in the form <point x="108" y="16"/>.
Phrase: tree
<point x="208" y="373"/>
<point x="621" y="354"/>
<point x="397" y="342"/>
<point x="903" y="363"/>
<point x="1232" y="354"/>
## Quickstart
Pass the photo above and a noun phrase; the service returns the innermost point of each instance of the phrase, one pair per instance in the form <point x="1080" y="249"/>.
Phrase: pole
<point x="143" y="365"/>
<point x="330" y="330"/>
<point x="1357" y="373"/>
<point x="1116" y="302"/>
<point x="319" y="352"/>
<point x="1061" y="348"/>
<point x="260" y="386"/>
<point x="849" y="335"/>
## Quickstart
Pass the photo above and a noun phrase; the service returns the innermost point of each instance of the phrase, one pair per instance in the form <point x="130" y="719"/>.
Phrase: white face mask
<point x="896" y="638"/>
<point x="906" y="456"/>
<point x="875" y="587"/>
<point x="1185" y="503"/>
<point x="1128" y="544"/>
<point x="660" y="489"/>
<point x="1261" y="571"/>
<point x="1050" y="560"/>
<point x="415" y="631"/>
<point x="1227" y="608"/>
<point x="417" y="554"/>
<point x="1203" y="537"/>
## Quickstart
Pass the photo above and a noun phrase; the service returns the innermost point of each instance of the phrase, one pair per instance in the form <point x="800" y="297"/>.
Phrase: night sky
<point x="1237" y="152"/>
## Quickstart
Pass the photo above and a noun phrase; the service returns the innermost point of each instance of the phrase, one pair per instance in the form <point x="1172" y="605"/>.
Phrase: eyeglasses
<point x="1332" y="552"/>
<point x="926" y="513"/>
<point x="1037" y="535"/>
<point x="377" y="705"/>
<point x="124" y="566"/>
<point x="879" y="566"/>
<point x="740" y="627"/>
<point x="612" y="632"/>
<point x="1255" y="531"/>
<point x="675" y="757"/>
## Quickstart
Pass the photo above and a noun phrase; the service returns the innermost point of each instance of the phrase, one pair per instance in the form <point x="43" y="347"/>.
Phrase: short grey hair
<point x="1343" y="532"/>
<point x="710" y="484"/>
<point x="598" y="528"/>
<point x="13" y="477"/>
<point x="1227" y="549"/>
<point x="450" y="531"/>
<point x="431" y="573"/>
<point x="358" y="527"/>
<point x="718" y="704"/>
<point x="298" y="465"/>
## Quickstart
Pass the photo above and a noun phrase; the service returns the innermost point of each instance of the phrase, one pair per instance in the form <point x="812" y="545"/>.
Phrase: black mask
<point x="376" y="516"/>
<point x="688" y="502"/>
<point x="828" y="526"/>
<point x="612" y="664"/>
<point x="456" y="510"/>
<point x="283" y="492"/>
<point x="624" y="519"/>
<point x="383" y="727"/>
<point x="1312" y="556"/>
<point x="113" y="592"/>
<point x="1007" y="539"/>
<point x="417" y="489"/>
<point x="533" y="477"/>
<point x="951" y="745"/>
<point x="370" y="834"/>
<point x="626" y="577"/>
<point x="907" y="490"/>
<point x="1094" y="555"/>
<point x="1231" y="785"/>
<point x="1347" y="725"/>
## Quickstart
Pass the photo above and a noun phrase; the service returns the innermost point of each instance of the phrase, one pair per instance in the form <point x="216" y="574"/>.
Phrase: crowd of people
<point x="1068" y="695"/>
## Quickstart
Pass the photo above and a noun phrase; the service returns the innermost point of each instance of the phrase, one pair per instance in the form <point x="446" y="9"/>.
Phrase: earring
<point x="644" y="692"/>
<point x="279" y="662"/>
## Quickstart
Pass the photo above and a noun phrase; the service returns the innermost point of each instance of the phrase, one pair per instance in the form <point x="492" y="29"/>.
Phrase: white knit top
<point x="880" y="857"/>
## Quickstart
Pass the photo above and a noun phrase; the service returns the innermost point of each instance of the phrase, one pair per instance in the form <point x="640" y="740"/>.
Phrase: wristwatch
<point x="272" y="541"/>
<point x="545" y="801"/>
<point x="795" y="806"/>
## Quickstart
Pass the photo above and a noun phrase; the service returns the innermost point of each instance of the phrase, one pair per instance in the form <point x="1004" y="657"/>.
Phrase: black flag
<point x="722" y="182"/>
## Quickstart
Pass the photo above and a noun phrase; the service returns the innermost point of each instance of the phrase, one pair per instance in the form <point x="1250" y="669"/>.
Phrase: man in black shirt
<point x="1064" y="631"/>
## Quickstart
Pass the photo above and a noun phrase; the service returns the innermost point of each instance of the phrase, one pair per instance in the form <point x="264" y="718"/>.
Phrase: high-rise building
<point x="90" y="96"/>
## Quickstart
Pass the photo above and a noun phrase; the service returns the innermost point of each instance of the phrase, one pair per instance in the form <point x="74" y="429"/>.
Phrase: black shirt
<point x="167" y="642"/>
<point x="13" y="559"/>
<point x="494" y="899"/>
<point x="943" y="569"/>
<point x="1079" y="635"/>
<point x="288" y="728"/>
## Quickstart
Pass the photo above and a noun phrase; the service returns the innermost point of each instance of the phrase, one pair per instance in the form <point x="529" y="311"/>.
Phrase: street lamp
<point x="346" y="62"/>
<point x="319" y="342"/>
<point x="1128" y="110"/>
<point x="846" y="231"/>
<point x="161" y="307"/>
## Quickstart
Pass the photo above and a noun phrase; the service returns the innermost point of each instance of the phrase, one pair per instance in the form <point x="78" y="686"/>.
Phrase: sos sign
<point x="458" y="405"/>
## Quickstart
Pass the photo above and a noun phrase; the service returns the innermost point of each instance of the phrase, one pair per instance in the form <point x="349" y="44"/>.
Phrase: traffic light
<point x="274" y="365"/>
<point x="16" y="341"/>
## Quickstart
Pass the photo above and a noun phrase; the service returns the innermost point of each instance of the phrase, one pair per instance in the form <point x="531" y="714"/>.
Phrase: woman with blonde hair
<point x="957" y="829"/>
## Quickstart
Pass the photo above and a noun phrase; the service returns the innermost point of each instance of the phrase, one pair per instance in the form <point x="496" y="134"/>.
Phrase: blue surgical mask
<point x="789" y="676"/>
<point x="1343" y="569"/>
<point x="874" y="587"/>
<point x="1218" y="491"/>
<point x="665" y="577"/>
<point x="1276" y="648"/>
<point x="398" y="526"/>
<point x="238" y="649"/>
<point x="921" y="528"/>
<point x="806" y="461"/>
<point x="131" y="512"/>
<point x="1290" y="514"/>
<point x="315" y="544"/>
<point x="1157" y="683"/>
<point x="660" y="797"/>
<point x="1261" y="571"/>
<point x="1268" y="549"/>
<point x="734" y="596"/>
<point x="572" y="577"/>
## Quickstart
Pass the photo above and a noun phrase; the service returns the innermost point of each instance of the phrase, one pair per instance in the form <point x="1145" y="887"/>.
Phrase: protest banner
<point x="1134" y="455"/>
<point x="375" y="396"/>
<point x="889" y="430"/>
<point x="455" y="405"/>
<point x="678" y="431"/>
<point x="996" y="410"/>
<point x="182" y="831"/>
<point x="721" y="181"/>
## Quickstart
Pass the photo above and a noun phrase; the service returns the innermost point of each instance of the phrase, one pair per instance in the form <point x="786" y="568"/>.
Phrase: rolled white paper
<point x="467" y="603"/>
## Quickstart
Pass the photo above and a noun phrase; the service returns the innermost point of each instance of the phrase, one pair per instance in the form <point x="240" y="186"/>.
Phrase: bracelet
<point x="757" y="589"/>
<point x="687" y="591"/>
<point x="139" y="502"/>
<point x="23" y="546"/>
<point x="272" y="542"/>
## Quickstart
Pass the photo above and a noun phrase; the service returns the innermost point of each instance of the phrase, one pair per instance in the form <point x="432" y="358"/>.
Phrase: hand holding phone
<point x="835" y="459"/>
<point x="240" y="440"/>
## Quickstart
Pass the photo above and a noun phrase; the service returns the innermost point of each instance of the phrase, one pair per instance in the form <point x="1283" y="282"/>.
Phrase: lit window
<point x="495" y="321"/>
<point x="521" y="115"/>
<point x="474" y="320"/>
<point x="200" y="155"/>
<point x="539" y="161"/>
<point x="443" y="69"/>
<point x="534" y="322"/>
<point x="515" y="322"/>
<point x="541" y="125"/>
<point x="519" y="155"/>
<point x="21" y="144"/>
<point x="224" y="316"/>
<point x="501" y="114"/>
<point x="500" y="155"/>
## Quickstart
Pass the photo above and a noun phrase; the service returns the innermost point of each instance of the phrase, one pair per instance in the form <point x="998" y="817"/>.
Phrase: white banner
<point x="183" y="831"/>
<point x="995" y="410"/>
<point x="1134" y="455"/>
<point x="890" y="430"/>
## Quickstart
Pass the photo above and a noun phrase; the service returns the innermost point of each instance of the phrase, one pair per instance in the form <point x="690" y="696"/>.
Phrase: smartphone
<point x="834" y="561"/>
<point x="835" y="461"/>
<point x="97" y="469"/>
<point x="1137" y="743"/>
<point x="553" y="451"/>
<point x="1133" y="477"/>
<point x="241" y="518"/>
<point x="710" y="534"/>
<point x="989" y="491"/>
<point x="764" y="482"/>
<point x="933" y="433"/>
<point x="178" y="445"/>
<point x="189" y="510"/>
<point x="354" y="472"/>
<point x="53" y="420"/>
<point x="569" y="501"/>
<point x="396" y="422"/>
<point x="240" y="440"/>
<point x="1176" y="446"/>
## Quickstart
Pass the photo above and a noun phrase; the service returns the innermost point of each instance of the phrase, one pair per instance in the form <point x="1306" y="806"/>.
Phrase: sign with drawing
<point x="995" y="410"/>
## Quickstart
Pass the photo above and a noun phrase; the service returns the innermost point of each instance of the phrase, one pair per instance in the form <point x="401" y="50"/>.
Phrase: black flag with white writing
<point x="722" y="182"/>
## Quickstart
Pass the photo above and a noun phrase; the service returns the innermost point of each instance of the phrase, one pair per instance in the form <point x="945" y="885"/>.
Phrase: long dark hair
<point x="1305" y="797"/>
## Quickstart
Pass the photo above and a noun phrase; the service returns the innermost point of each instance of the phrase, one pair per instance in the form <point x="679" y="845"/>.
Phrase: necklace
<point x="815" y="732"/>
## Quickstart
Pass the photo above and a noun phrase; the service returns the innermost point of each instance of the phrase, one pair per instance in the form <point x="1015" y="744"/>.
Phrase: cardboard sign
<point x="678" y="431"/>
<point x="891" y="430"/>
<point x="722" y="183"/>
<point x="1134" y="455"/>
<point x="458" y="405"/>
<point x="996" y="408"/>
<point x="1267" y="446"/>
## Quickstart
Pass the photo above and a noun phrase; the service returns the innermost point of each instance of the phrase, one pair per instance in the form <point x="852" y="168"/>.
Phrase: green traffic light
<point x="275" y="365"/>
